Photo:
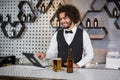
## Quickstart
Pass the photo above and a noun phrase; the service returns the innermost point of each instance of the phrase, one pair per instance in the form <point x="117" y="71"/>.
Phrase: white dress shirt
<point x="87" y="46"/>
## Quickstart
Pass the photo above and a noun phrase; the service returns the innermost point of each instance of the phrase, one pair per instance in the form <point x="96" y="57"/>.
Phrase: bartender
<point x="70" y="36"/>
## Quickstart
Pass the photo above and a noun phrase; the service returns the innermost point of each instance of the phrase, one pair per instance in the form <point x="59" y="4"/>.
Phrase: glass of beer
<point x="56" y="64"/>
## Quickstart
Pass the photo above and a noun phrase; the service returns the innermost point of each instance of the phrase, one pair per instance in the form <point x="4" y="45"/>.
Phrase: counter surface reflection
<point x="37" y="73"/>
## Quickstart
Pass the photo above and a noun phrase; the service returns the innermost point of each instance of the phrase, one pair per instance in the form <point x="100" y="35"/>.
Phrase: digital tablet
<point x="33" y="60"/>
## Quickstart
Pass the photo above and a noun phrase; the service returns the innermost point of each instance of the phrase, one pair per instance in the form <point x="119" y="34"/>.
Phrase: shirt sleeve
<point x="88" y="50"/>
<point x="52" y="50"/>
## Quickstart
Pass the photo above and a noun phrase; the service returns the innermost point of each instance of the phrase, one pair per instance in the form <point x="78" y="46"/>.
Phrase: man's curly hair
<point x="71" y="11"/>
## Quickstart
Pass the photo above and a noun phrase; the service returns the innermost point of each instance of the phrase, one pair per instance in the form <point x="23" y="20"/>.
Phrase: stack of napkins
<point x="113" y="60"/>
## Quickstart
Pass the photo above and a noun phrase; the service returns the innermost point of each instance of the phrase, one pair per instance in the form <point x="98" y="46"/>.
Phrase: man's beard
<point x="69" y="25"/>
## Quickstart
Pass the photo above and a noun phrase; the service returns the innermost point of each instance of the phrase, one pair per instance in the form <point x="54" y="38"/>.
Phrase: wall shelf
<point x="38" y="4"/>
<point x="21" y="13"/>
<point x="97" y="33"/>
<point x="97" y="5"/>
<point x="42" y="8"/>
<point x="96" y="9"/>
<point x="117" y="3"/>
<point x="49" y="5"/>
<point x="110" y="9"/>
<point x="54" y="22"/>
<point x="92" y="15"/>
<point x="117" y="23"/>
<point x="14" y="32"/>
<point x="115" y="6"/>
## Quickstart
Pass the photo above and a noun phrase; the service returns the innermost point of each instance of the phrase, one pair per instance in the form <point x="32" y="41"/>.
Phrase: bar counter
<point x="22" y="72"/>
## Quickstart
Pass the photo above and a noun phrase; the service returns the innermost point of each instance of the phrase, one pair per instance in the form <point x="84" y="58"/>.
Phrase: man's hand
<point x="40" y="55"/>
<point x="74" y="65"/>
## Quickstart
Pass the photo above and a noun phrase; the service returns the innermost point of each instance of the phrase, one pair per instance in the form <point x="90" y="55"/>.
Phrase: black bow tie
<point x="68" y="31"/>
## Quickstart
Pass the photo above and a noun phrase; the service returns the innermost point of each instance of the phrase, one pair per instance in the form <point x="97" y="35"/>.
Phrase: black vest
<point x="76" y="45"/>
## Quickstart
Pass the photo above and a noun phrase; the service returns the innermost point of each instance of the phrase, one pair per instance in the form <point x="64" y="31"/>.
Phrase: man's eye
<point x="64" y="18"/>
<point x="60" y="19"/>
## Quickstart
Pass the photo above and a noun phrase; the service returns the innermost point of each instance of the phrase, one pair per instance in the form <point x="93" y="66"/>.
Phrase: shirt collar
<point x="73" y="29"/>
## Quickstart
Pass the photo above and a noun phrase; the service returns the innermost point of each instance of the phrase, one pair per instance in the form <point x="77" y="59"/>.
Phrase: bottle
<point x="59" y="5"/>
<point x="43" y="7"/>
<point x="14" y="32"/>
<point x="115" y="12"/>
<point x="88" y="22"/>
<point x="24" y="17"/>
<point x="95" y="23"/>
<point x="1" y="18"/>
<point x="29" y="17"/>
<point x="57" y="23"/>
<point x="70" y="61"/>
<point x="8" y="18"/>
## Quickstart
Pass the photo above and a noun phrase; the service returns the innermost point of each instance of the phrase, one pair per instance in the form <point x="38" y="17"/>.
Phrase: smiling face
<point x="65" y="21"/>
